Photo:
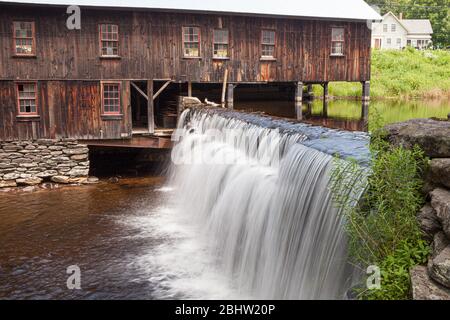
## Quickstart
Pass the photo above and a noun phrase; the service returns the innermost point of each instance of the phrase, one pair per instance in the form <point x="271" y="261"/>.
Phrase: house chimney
<point x="400" y="16"/>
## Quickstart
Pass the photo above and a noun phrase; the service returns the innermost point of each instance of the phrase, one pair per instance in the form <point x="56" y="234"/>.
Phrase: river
<point x="126" y="238"/>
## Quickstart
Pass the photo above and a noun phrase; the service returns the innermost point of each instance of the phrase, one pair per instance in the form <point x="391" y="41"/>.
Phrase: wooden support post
<point x="150" y="107"/>
<point x="309" y="108"/>
<point x="189" y="89"/>
<point x="365" y="90"/>
<point x="310" y="92"/>
<point x="325" y="108"/>
<point x="299" y="100"/>
<point x="325" y="91"/>
<point x="162" y="89"/>
<point x="230" y="96"/>
<point x="365" y="111"/>
<point x="224" y="88"/>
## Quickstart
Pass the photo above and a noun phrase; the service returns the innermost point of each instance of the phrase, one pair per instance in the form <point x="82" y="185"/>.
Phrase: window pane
<point x="221" y="36"/>
<point x="268" y="37"/>
<point x="337" y="34"/>
<point x="27" y="97"/>
<point x="268" y="50"/>
<point x="111" y="98"/>
<point x="337" y="48"/>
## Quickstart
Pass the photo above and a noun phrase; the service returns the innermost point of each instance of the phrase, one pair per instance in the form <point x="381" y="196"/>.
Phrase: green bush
<point x="383" y="228"/>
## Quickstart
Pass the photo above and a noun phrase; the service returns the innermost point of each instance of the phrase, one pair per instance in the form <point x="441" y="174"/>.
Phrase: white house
<point x="397" y="33"/>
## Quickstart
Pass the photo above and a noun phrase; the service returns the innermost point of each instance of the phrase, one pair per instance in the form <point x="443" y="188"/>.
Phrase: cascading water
<point x="257" y="191"/>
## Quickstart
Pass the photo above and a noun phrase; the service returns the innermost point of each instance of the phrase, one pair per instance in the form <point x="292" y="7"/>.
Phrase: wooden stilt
<point x="299" y="100"/>
<point x="150" y="107"/>
<point x="325" y="108"/>
<point x="230" y="96"/>
<point x="189" y="89"/>
<point x="310" y="91"/>
<point x="325" y="91"/>
<point x="365" y="90"/>
<point x="365" y="111"/>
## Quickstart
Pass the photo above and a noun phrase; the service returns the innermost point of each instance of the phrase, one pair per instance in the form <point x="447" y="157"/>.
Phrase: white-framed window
<point x="337" y="41"/>
<point x="191" y="42"/>
<point x="109" y="40"/>
<point x="385" y="27"/>
<point x="221" y="43"/>
<point x="393" y="27"/>
<point x="268" y="38"/>
<point x="399" y="42"/>
<point x="389" y="41"/>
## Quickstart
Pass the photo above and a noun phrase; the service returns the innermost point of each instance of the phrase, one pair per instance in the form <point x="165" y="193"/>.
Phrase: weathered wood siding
<point x="69" y="69"/>
<point x="151" y="48"/>
<point x="67" y="109"/>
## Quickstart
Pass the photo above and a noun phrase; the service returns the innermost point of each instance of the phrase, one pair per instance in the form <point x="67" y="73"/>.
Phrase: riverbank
<point x="407" y="74"/>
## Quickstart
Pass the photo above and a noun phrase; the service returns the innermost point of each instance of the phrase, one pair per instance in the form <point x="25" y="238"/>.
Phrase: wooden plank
<point x="139" y="90"/>
<point x="150" y="107"/>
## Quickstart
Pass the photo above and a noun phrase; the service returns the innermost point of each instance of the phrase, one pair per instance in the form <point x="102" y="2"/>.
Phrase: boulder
<point x="47" y="174"/>
<point x="440" y="201"/>
<point x="429" y="222"/>
<point x="440" y="172"/>
<point x="78" y="172"/>
<point x="11" y="176"/>
<point x="432" y="136"/>
<point x="191" y="102"/>
<point x="439" y="267"/>
<point x="61" y="179"/>
<point x="424" y="288"/>
<point x="92" y="180"/>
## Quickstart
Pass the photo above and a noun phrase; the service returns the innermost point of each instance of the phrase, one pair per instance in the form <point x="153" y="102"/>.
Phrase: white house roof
<point x="416" y="26"/>
<point x="320" y="9"/>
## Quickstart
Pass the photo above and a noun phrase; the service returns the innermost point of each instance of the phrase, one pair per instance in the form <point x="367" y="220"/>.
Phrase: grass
<point x="406" y="74"/>
<point x="383" y="230"/>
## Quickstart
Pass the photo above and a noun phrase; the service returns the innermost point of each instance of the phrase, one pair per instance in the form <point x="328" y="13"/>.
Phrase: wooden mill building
<point x="102" y="79"/>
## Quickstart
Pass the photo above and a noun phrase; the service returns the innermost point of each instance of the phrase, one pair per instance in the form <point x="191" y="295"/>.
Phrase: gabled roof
<point x="413" y="26"/>
<point x="418" y="26"/>
<point x="320" y="9"/>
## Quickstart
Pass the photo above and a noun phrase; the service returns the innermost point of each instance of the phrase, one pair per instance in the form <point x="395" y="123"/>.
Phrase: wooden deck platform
<point x="137" y="142"/>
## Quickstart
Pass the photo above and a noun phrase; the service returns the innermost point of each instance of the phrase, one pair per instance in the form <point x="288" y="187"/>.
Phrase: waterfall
<point x="258" y="188"/>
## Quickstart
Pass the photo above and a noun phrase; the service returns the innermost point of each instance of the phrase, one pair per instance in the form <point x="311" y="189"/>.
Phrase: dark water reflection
<point x="43" y="233"/>
<point x="349" y="114"/>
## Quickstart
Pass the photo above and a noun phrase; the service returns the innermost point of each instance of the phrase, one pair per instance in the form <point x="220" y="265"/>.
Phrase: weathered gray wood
<point x="230" y="96"/>
<point x="150" y="107"/>
<point x="139" y="90"/>
<point x="365" y="90"/>
<point x="325" y="91"/>
<point x="224" y="88"/>
<point x="299" y="100"/>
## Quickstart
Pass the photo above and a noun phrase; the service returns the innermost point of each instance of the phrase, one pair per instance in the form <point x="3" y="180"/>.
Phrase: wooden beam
<point x="150" y="107"/>
<point x="230" y="96"/>
<point x="139" y="90"/>
<point x="162" y="89"/>
<point x="365" y="90"/>
<point x="189" y="89"/>
<point x="299" y="100"/>
<point x="224" y="88"/>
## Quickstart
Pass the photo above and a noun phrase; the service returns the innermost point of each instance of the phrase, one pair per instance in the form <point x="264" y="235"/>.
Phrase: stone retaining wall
<point x="432" y="281"/>
<point x="29" y="163"/>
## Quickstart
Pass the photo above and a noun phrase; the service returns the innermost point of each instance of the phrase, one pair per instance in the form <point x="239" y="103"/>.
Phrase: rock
<point x="79" y="157"/>
<point x="11" y="176"/>
<point x="424" y="288"/>
<point x="191" y="102"/>
<point x="8" y="184"/>
<point x="47" y="174"/>
<point x="77" y="151"/>
<point x="440" y="172"/>
<point x="81" y="180"/>
<point x="92" y="180"/>
<point x="429" y="222"/>
<point x="49" y="186"/>
<point x="440" y="201"/>
<point x="29" y="189"/>
<point x="61" y="179"/>
<point x="78" y="173"/>
<point x="431" y="135"/>
<point x="440" y="243"/>
<point x="28" y="165"/>
<point x="439" y="267"/>
<point x="29" y="181"/>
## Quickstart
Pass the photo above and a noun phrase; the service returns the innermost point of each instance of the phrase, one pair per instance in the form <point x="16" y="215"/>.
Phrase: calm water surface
<point x="351" y="115"/>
